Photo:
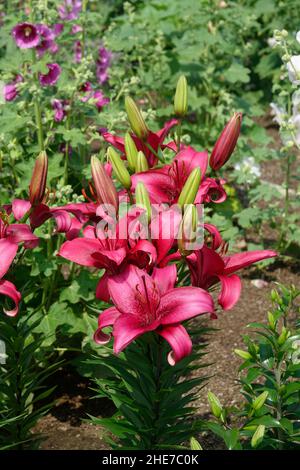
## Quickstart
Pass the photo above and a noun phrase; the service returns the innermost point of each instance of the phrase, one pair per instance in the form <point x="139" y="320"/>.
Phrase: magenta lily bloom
<point x="155" y="139"/>
<point x="146" y="303"/>
<point x="52" y="76"/>
<point x="207" y="268"/>
<point x="26" y="35"/>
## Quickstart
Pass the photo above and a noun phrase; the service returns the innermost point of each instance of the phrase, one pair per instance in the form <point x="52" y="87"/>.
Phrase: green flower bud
<point x="195" y="445"/>
<point x="215" y="404"/>
<point x="258" y="435"/>
<point x="283" y="336"/>
<point x="141" y="163"/>
<point x="243" y="354"/>
<point x="136" y="119"/>
<point x="180" y="100"/>
<point x="119" y="168"/>
<point x="188" y="229"/>
<point x="190" y="188"/>
<point x="260" y="400"/>
<point x="271" y="320"/>
<point x="131" y="151"/>
<point x="142" y="199"/>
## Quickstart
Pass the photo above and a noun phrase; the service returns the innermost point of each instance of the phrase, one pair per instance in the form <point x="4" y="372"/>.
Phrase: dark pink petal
<point x="182" y="303"/>
<point x="22" y="233"/>
<point x="188" y="159"/>
<point x="126" y="329"/>
<point x="115" y="141"/>
<point x="179" y="340"/>
<point x="164" y="230"/>
<point x="8" y="251"/>
<point x="102" y="292"/>
<point x="162" y="133"/>
<point x="106" y="318"/>
<point x="230" y="291"/>
<point x="62" y="219"/>
<point x="81" y="251"/>
<point x="20" y="208"/>
<point x="127" y="291"/>
<point x="144" y="253"/>
<point x="158" y="183"/>
<point x="74" y="230"/>
<point x="89" y="232"/>
<point x="9" y="289"/>
<point x="216" y="236"/>
<point x="241" y="260"/>
<point x="165" y="278"/>
<point x="205" y="265"/>
<point x="109" y="258"/>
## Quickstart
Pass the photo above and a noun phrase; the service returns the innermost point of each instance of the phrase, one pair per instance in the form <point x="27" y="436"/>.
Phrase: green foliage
<point x="153" y="399"/>
<point x="270" y="379"/>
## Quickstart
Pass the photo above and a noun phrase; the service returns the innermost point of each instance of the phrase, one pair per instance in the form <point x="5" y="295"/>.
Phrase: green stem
<point x="67" y="151"/>
<point x="37" y="110"/>
<point x="160" y="157"/>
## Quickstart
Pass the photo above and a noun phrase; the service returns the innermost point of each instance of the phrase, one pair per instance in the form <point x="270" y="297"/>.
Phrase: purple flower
<point x="11" y="89"/>
<point x="69" y="9"/>
<point x="100" y="100"/>
<point x="26" y="35"/>
<point x="76" y="28"/>
<point x="77" y="52"/>
<point x="46" y="39"/>
<point x="57" y="29"/>
<point x="52" y="76"/>
<point x="102" y="64"/>
<point x="59" y="107"/>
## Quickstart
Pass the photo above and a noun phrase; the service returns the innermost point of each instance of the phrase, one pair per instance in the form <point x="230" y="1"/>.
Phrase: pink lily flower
<point x="155" y="139"/>
<point x="146" y="303"/>
<point x="207" y="268"/>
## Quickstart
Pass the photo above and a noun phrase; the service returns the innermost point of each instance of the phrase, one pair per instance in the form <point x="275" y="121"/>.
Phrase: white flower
<point x="248" y="167"/>
<point x="272" y="42"/>
<point x="298" y="37"/>
<point x="277" y="113"/>
<point x="293" y="67"/>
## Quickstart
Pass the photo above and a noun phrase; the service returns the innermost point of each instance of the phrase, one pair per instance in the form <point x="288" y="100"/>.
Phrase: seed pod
<point x="119" y="168"/>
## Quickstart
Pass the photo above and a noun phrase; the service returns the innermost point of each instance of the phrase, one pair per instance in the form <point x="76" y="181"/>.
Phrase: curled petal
<point x="216" y="236"/>
<point x="179" y="340"/>
<point x="74" y="229"/>
<point x="165" y="278"/>
<point x="230" y="291"/>
<point x="102" y="292"/>
<point x="63" y="220"/>
<point x="182" y="303"/>
<point x="106" y="318"/>
<point x="9" y="289"/>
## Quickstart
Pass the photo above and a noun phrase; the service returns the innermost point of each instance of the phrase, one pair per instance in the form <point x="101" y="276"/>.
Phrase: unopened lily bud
<point x="243" y="354"/>
<point x="131" y="151"/>
<point x="190" y="188"/>
<point x="142" y="199"/>
<point x="119" y="168"/>
<point x="141" y="162"/>
<point x="105" y="189"/>
<point x="37" y="185"/>
<point x="188" y="230"/>
<point x="215" y="404"/>
<point x="271" y="320"/>
<point x="195" y="445"/>
<point x="226" y="142"/>
<point x="260" y="400"/>
<point x="285" y="334"/>
<point x="136" y="119"/>
<point x="258" y="435"/>
<point x="180" y="100"/>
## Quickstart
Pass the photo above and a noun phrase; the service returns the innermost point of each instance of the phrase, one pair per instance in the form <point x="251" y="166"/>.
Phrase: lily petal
<point x="102" y="292"/>
<point x="81" y="251"/>
<point x="182" y="303"/>
<point x="126" y="329"/>
<point x="179" y="340"/>
<point x="165" y="278"/>
<point x="20" y="207"/>
<point x="231" y="287"/>
<point x="106" y="318"/>
<point x="241" y="260"/>
<point x="9" y="289"/>
<point x="8" y="251"/>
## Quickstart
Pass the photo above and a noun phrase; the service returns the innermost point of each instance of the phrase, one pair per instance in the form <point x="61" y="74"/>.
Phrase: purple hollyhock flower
<point x="76" y="28"/>
<point x="46" y="39"/>
<point x="69" y="9"/>
<point x="57" y="29"/>
<point x="59" y="107"/>
<point x="102" y="64"/>
<point x="11" y="90"/>
<point x="77" y="52"/>
<point x="101" y="100"/>
<point x="26" y="35"/>
<point x="52" y="76"/>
